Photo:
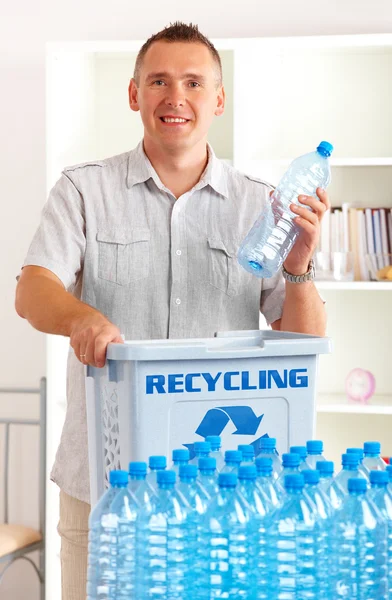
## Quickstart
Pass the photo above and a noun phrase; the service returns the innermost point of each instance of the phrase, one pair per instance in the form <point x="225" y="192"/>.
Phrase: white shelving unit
<point x="284" y="95"/>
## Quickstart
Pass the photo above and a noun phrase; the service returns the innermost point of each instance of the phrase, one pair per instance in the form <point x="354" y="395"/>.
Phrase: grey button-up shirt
<point x="156" y="266"/>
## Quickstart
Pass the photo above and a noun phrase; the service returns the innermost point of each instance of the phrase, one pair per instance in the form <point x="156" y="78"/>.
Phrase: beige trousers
<point x="73" y="530"/>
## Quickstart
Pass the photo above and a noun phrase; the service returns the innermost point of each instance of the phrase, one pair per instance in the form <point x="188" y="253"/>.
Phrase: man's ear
<point x="133" y="94"/>
<point x="221" y="98"/>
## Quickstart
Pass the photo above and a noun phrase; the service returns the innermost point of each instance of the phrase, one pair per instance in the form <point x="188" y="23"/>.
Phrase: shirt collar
<point x="140" y="170"/>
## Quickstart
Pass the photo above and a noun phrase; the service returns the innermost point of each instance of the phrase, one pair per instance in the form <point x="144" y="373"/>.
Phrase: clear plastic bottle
<point x="350" y="464"/>
<point x="224" y="549"/>
<point x="303" y="453"/>
<point x="216" y="452"/>
<point x="267" y="448"/>
<point x="138" y="485"/>
<point x="361" y="534"/>
<point x="372" y="460"/>
<point x="383" y="500"/>
<point x="180" y="456"/>
<point x="124" y="510"/>
<point x="233" y="460"/>
<point x="361" y="454"/>
<point x="156" y="464"/>
<point x="207" y="478"/>
<point x="315" y="452"/>
<point x="271" y="238"/>
<point x="326" y="544"/>
<point x="98" y="540"/>
<point x="328" y="484"/>
<point x="266" y="482"/>
<point x="248" y="454"/>
<point x="290" y="464"/>
<point x="293" y="540"/>
<point x="201" y="449"/>
<point x="257" y="540"/>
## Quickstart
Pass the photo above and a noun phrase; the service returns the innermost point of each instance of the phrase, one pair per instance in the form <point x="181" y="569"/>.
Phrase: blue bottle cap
<point x="215" y="441"/>
<point x="137" y="468"/>
<point x="372" y="447"/>
<point x="350" y="459"/>
<point x="267" y="443"/>
<point x="247" y="450"/>
<point x="181" y="454"/>
<point x="227" y="479"/>
<point x="379" y="477"/>
<point x="314" y="446"/>
<point x="294" y="481"/>
<point x="233" y="456"/>
<point x="357" y="484"/>
<point x="388" y="469"/>
<point x="157" y="462"/>
<point x="311" y="476"/>
<point x="358" y="451"/>
<point x="202" y="447"/>
<point x="166" y="477"/>
<point x="118" y="477"/>
<point x="188" y="472"/>
<point x="207" y="463"/>
<point x="301" y="450"/>
<point x="247" y="472"/>
<point x="290" y="459"/>
<point x="325" y="467"/>
<point x="325" y="148"/>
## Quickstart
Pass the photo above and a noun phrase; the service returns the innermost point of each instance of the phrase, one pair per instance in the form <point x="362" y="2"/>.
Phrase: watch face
<point x="360" y="385"/>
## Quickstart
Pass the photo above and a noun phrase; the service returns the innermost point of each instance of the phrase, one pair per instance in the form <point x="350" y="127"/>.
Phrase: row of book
<point x="362" y="231"/>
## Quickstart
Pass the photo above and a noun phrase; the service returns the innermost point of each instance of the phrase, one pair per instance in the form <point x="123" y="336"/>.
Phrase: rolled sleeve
<point x="59" y="243"/>
<point x="272" y="297"/>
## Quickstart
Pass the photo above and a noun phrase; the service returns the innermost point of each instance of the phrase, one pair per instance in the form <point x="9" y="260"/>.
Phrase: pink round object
<point x="360" y="385"/>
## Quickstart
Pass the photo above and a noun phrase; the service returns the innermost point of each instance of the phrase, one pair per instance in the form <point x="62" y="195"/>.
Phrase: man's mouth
<point x="173" y="120"/>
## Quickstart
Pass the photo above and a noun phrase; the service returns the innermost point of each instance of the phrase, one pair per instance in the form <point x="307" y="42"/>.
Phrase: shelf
<point x="372" y="286"/>
<point x="338" y="403"/>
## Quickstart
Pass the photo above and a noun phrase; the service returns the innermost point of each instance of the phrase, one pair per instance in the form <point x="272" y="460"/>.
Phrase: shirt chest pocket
<point x="224" y="271"/>
<point x="123" y="256"/>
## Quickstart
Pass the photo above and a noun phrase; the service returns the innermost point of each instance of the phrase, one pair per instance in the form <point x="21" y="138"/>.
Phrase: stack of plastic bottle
<point x="257" y="528"/>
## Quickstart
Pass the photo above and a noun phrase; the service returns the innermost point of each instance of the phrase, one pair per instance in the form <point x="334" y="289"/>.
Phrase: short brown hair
<point x="179" y="32"/>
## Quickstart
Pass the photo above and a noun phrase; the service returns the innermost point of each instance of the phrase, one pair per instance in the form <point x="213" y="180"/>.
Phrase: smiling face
<point x="178" y="94"/>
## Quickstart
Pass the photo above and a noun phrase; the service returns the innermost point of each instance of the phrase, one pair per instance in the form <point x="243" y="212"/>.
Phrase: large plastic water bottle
<point x="207" y="478"/>
<point x="233" y="460"/>
<point x="265" y="480"/>
<point x="156" y="464"/>
<point x="303" y="453"/>
<point x="328" y="484"/>
<point x="138" y="485"/>
<point x="224" y="547"/>
<point x="294" y="545"/>
<point x="271" y="238"/>
<point x="180" y="456"/>
<point x="196" y="496"/>
<point x="350" y="464"/>
<point x="259" y="571"/>
<point x="248" y="454"/>
<point x="315" y="450"/>
<point x="201" y="449"/>
<point x="98" y="541"/>
<point x="164" y="554"/>
<point x="267" y="448"/>
<point x="216" y="452"/>
<point x="383" y="500"/>
<point x="361" y="534"/>
<point x="372" y="459"/>
<point x="361" y="455"/>
<point x="124" y="510"/>
<point x="290" y="465"/>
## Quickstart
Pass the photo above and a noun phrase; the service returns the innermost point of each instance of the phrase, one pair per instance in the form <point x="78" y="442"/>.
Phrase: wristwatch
<point x="308" y="276"/>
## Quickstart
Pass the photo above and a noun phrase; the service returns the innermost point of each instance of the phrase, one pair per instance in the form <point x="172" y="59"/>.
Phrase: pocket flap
<point x="228" y="247"/>
<point x="120" y="236"/>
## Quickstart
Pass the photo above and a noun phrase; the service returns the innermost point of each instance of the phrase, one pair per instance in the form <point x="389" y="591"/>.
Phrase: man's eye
<point x="158" y="81"/>
<point x="194" y="83"/>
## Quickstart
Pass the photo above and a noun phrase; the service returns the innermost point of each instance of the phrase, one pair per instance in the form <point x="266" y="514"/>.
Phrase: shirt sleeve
<point x="272" y="297"/>
<point x="59" y="243"/>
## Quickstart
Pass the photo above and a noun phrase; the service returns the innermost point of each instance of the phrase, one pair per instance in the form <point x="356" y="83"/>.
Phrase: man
<point x="144" y="244"/>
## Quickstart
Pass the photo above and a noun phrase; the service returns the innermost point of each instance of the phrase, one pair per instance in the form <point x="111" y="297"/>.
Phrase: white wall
<point x="24" y="28"/>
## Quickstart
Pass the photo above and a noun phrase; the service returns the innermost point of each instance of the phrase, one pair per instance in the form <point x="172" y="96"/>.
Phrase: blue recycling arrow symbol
<point x="216" y="419"/>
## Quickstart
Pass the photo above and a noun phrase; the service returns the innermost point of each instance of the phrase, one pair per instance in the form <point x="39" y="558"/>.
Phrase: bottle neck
<point x="371" y="455"/>
<point x="207" y="473"/>
<point x="350" y="467"/>
<point x="294" y="491"/>
<point x="188" y="480"/>
<point x="138" y="477"/>
<point x="156" y="469"/>
<point x="379" y="486"/>
<point x="166" y="487"/>
<point x="229" y="463"/>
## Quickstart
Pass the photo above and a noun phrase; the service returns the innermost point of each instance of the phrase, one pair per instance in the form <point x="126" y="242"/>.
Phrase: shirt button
<point x="178" y="252"/>
<point x="178" y="301"/>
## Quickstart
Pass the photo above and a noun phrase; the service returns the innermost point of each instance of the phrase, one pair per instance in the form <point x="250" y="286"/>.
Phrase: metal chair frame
<point x="9" y="559"/>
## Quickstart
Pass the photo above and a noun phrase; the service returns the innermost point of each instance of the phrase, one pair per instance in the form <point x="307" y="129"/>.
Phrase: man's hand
<point x="90" y="336"/>
<point x="297" y="262"/>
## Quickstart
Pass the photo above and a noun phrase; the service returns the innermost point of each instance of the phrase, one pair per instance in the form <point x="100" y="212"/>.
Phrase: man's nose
<point x="175" y="97"/>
